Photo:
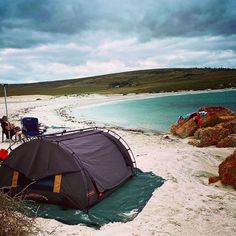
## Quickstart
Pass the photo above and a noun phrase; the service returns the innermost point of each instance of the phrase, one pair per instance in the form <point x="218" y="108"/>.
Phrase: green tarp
<point x="121" y="206"/>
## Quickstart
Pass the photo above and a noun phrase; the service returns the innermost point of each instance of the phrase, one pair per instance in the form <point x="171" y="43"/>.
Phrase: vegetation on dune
<point x="11" y="221"/>
<point x="144" y="81"/>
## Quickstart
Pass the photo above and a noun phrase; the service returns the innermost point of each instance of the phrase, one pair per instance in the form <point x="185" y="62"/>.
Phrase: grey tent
<point x="75" y="169"/>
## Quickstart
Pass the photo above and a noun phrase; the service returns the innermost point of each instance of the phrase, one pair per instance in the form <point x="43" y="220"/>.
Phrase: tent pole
<point x="5" y="97"/>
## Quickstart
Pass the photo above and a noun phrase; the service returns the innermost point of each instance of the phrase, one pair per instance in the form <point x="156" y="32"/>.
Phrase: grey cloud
<point x="45" y="15"/>
<point x="190" y="18"/>
<point x="143" y="19"/>
<point x="59" y="39"/>
<point x="63" y="61"/>
<point x="49" y="17"/>
<point x="23" y="38"/>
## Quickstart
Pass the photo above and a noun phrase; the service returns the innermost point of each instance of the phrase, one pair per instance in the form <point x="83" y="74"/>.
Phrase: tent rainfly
<point x="76" y="169"/>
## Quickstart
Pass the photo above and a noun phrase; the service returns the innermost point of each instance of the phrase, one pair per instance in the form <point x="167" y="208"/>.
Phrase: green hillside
<point x="144" y="81"/>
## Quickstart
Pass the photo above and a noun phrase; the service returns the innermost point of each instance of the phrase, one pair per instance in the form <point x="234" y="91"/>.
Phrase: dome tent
<point x="76" y="169"/>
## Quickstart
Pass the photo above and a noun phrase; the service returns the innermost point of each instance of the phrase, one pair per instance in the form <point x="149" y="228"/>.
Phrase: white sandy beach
<point x="184" y="205"/>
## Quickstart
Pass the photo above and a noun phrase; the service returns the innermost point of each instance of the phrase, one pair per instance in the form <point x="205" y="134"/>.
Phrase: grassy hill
<point x="144" y="81"/>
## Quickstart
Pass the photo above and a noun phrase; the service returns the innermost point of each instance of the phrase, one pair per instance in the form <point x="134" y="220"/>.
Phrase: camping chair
<point x="31" y="127"/>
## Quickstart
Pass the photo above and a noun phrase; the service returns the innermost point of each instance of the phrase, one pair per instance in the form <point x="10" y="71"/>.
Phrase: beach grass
<point x="11" y="221"/>
<point x="143" y="81"/>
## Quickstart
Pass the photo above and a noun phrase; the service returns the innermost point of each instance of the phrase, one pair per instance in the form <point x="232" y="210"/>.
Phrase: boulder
<point x="224" y="119"/>
<point x="173" y="128"/>
<point x="185" y="128"/>
<point x="213" y="129"/>
<point x="213" y="179"/>
<point x="219" y="111"/>
<point x="211" y="135"/>
<point x="229" y="141"/>
<point x="194" y="142"/>
<point x="227" y="170"/>
<point x="210" y="120"/>
<point x="230" y="125"/>
<point x="214" y="118"/>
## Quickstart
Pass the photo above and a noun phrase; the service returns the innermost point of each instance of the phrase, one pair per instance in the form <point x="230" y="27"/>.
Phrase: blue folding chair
<point x="31" y="127"/>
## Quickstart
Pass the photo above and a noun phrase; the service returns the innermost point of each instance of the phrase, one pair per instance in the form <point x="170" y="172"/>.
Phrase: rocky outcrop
<point x="184" y="129"/>
<point x="227" y="171"/>
<point x="219" y="111"/>
<point x="229" y="141"/>
<point x="213" y="179"/>
<point x="217" y="127"/>
<point x="210" y="136"/>
<point x="230" y="125"/>
<point x="210" y="120"/>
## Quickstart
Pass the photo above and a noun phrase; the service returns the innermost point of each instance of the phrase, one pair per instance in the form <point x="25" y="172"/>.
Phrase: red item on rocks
<point x="3" y="154"/>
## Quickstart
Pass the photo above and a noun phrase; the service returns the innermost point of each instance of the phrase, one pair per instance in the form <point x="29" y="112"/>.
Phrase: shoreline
<point x="68" y="117"/>
<point x="184" y="205"/>
<point x="34" y="98"/>
<point x="70" y="112"/>
<point x="134" y="96"/>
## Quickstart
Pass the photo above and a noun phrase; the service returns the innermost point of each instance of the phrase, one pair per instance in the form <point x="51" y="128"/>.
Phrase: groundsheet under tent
<point x="122" y="205"/>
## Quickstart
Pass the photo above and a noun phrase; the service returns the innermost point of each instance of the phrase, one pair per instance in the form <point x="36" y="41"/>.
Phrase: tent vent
<point x="57" y="184"/>
<point x="15" y="178"/>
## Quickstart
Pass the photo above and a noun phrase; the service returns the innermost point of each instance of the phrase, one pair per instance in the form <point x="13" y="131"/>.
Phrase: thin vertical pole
<point x="5" y="96"/>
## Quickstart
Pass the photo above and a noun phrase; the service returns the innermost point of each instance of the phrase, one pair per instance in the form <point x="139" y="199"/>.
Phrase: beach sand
<point x="184" y="205"/>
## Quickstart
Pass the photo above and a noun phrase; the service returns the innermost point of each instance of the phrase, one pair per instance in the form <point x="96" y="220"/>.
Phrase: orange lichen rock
<point x="217" y="127"/>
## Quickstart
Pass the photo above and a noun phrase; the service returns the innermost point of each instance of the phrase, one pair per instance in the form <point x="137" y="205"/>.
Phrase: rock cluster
<point x="218" y="127"/>
<point x="227" y="171"/>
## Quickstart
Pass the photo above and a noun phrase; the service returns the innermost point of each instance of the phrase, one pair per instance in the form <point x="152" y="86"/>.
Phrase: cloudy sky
<point x="44" y="40"/>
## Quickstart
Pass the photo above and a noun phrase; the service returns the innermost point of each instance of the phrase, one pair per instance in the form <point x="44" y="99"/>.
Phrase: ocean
<point x="156" y="113"/>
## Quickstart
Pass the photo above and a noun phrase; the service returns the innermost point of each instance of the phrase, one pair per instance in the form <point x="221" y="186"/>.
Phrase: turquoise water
<point x="156" y="113"/>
